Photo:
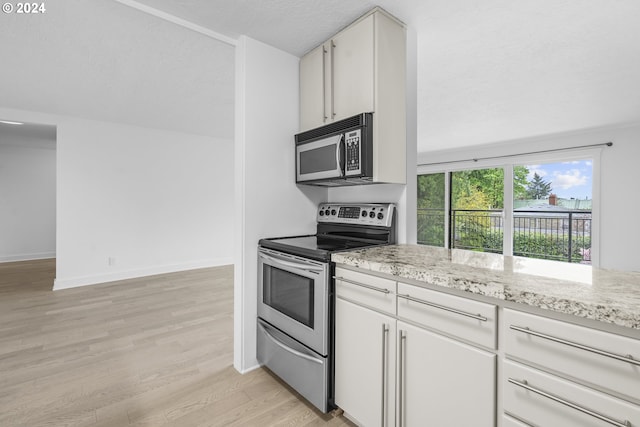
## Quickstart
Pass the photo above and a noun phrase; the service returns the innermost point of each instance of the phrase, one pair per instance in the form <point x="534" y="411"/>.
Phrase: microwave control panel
<point x="353" y="150"/>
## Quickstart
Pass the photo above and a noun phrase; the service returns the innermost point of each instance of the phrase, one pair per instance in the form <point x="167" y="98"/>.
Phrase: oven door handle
<point x="287" y="348"/>
<point x="300" y="266"/>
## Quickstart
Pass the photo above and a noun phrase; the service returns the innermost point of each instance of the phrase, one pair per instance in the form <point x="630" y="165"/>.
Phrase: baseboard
<point x="27" y="257"/>
<point x="247" y="370"/>
<point x="74" y="282"/>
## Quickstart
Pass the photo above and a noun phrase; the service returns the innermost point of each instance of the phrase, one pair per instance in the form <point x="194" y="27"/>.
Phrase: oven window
<point x="289" y="293"/>
<point x="318" y="160"/>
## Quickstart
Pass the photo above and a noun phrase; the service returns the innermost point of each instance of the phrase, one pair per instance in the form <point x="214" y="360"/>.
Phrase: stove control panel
<point x="378" y="214"/>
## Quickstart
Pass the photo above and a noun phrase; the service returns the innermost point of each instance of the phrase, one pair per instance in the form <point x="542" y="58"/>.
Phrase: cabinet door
<point x="352" y="53"/>
<point x="365" y="364"/>
<point x="312" y="89"/>
<point x="442" y="382"/>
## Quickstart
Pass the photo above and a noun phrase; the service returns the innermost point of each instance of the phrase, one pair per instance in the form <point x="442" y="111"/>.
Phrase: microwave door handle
<point x="340" y="156"/>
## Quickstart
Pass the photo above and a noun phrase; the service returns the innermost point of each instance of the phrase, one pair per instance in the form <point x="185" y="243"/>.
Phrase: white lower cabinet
<point x="542" y="399"/>
<point x="365" y="364"/>
<point x="558" y="373"/>
<point x="392" y="372"/>
<point x="442" y="382"/>
<point x="407" y="356"/>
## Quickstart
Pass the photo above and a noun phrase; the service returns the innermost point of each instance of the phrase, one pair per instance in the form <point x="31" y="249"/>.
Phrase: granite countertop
<point x="598" y="294"/>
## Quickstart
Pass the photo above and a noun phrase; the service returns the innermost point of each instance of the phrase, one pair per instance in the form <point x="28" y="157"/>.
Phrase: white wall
<point x="619" y="201"/>
<point x="617" y="204"/>
<point x="153" y="200"/>
<point x="27" y="198"/>
<point x="268" y="203"/>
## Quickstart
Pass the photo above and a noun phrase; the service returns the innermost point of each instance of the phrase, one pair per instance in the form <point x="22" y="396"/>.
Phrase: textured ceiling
<point x="103" y="60"/>
<point x="488" y="70"/>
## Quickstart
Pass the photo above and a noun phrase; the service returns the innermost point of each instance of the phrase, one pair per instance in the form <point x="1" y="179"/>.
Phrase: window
<point x="431" y="213"/>
<point x="552" y="213"/>
<point x="537" y="210"/>
<point x="477" y="205"/>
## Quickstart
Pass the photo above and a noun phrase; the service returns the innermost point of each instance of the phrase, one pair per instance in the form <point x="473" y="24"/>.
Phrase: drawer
<point x="587" y="355"/>
<point x="374" y="292"/>
<point x="458" y="317"/>
<point x="542" y="399"/>
<point x="301" y="368"/>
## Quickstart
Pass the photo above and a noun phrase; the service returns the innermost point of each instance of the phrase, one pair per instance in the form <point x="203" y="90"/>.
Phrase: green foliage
<point x="431" y="230"/>
<point x="531" y="245"/>
<point x="431" y="209"/>
<point x="538" y="188"/>
<point x="431" y="191"/>
<point x="520" y="182"/>
<point x="478" y="189"/>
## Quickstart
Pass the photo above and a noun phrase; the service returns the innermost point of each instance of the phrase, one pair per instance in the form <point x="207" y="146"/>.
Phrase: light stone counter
<point x="603" y="295"/>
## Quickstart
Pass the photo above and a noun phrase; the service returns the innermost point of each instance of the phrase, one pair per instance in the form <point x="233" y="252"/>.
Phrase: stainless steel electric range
<point x="296" y="294"/>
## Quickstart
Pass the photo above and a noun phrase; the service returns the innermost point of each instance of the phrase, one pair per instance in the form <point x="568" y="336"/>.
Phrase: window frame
<point x="507" y="163"/>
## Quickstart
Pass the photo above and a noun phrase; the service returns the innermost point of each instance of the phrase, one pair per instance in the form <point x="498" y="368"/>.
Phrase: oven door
<point x="321" y="159"/>
<point x="293" y="296"/>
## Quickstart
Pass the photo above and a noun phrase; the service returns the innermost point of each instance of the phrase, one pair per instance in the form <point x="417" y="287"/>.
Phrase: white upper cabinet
<point x="353" y="70"/>
<point x="312" y="88"/>
<point x="361" y="69"/>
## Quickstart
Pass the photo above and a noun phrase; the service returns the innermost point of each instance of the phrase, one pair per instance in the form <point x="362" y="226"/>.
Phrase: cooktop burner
<point x="341" y="227"/>
<point x="316" y="247"/>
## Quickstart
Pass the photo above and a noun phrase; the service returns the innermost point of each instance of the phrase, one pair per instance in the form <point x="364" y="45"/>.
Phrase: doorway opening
<point x="28" y="194"/>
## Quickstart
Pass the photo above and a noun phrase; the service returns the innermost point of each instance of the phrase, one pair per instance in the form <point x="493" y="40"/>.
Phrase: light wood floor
<point x="154" y="351"/>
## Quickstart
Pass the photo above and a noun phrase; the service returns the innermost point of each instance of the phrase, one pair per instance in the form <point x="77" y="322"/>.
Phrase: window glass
<point x="477" y="203"/>
<point x="552" y="211"/>
<point x="431" y="213"/>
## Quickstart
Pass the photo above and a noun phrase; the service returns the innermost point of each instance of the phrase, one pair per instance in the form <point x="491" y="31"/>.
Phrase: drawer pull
<point x="562" y="401"/>
<point x="442" y="307"/>
<point x="627" y="358"/>
<point x="373" y="288"/>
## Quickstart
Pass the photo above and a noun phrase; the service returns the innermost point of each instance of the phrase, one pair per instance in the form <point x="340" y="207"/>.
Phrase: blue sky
<point x="568" y="179"/>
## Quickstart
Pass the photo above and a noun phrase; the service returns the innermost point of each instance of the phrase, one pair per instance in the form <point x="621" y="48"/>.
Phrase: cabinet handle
<point x="324" y="84"/>
<point x="373" y="288"/>
<point x="287" y="348"/>
<point x="524" y="384"/>
<point x="385" y="333"/>
<point x="333" y="47"/>
<point x="442" y="307"/>
<point x="628" y="358"/>
<point x="403" y="338"/>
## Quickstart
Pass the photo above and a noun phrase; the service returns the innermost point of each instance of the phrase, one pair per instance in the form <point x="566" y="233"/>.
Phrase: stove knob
<point x="321" y="213"/>
<point x="372" y="214"/>
<point x="380" y="215"/>
<point x="333" y="211"/>
<point x="327" y="212"/>
<point x="364" y="213"/>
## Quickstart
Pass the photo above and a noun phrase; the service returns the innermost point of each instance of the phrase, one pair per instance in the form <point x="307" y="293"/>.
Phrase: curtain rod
<point x="607" y="144"/>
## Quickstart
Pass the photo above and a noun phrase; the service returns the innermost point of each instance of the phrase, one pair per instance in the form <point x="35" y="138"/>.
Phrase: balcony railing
<point x="555" y="235"/>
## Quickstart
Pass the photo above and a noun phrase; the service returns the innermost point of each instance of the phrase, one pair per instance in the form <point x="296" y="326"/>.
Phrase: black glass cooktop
<point x="314" y="246"/>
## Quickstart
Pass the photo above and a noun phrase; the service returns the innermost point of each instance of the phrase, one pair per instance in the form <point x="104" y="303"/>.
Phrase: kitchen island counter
<point x="574" y="289"/>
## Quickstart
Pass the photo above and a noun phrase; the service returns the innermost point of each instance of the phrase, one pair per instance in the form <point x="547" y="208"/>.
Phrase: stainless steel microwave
<point x="339" y="153"/>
